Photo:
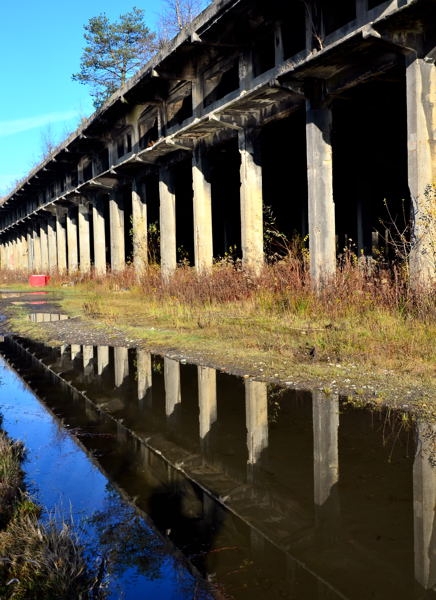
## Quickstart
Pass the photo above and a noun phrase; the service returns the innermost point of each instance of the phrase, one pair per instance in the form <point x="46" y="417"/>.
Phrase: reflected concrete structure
<point x="270" y="507"/>
<point x="173" y="396"/>
<point x="121" y="365"/>
<point x="424" y="503"/>
<point x="206" y="399"/>
<point x="234" y="119"/>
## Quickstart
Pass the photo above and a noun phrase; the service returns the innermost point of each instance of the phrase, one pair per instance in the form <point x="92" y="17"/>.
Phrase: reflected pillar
<point x="325" y="413"/>
<point x="102" y="359"/>
<point x="121" y="365"/>
<point x="424" y="503"/>
<point x="75" y="351"/>
<point x="88" y="357"/>
<point x="116" y="222"/>
<point x="251" y="201"/>
<point x="202" y="205"/>
<point x="143" y="366"/>
<point x="322" y="242"/>
<point x="256" y="416"/>
<point x="167" y="216"/>
<point x="172" y="385"/>
<point x="207" y="399"/>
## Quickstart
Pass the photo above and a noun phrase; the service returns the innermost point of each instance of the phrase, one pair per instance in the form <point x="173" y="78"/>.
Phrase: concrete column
<point x="325" y="413"/>
<point x="84" y="237"/>
<point x="421" y="148"/>
<point x="206" y="399"/>
<point x="36" y="250"/>
<point x="424" y="502"/>
<point x="322" y="243"/>
<point x="73" y="257"/>
<point x="61" y="240"/>
<point x="143" y="372"/>
<point x="52" y="245"/>
<point x="256" y="417"/>
<point x="44" y="247"/>
<point x="167" y="217"/>
<point x="251" y="202"/>
<point x="30" y="258"/>
<point x="172" y="385"/>
<point x="102" y="359"/>
<point x="99" y="235"/>
<point x="139" y="225"/>
<point x="121" y="365"/>
<point x="202" y="204"/>
<point x="116" y="221"/>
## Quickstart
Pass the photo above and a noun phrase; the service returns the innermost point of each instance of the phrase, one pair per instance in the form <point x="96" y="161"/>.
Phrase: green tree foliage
<point x="113" y="52"/>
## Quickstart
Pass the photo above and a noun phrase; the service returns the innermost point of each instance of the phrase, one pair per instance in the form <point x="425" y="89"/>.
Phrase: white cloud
<point x="19" y="125"/>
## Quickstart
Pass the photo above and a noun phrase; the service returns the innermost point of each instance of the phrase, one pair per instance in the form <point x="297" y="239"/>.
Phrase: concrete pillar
<point x="102" y="359"/>
<point x="61" y="240"/>
<point x="325" y="412"/>
<point x="116" y="221"/>
<point x="256" y="417"/>
<point x="84" y="237"/>
<point x="202" y="205"/>
<point x="52" y="245"/>
<point x="36" y="250"/>
<point x="143" y="372"/>
<point x="121" y="365"/>
<point x="44" y="247"/>
<point x="424" y="502"/>
<point x="167" y="217"/>
<point x="99" y="233"/>
<point x="172" y="385"/>
<point x="139" y="226"/>
<point x="30" y="256"/>
<point x="206" y="399"/>
<point x="73" y="257"/>
<point x="421" y="148"/>
<point x="322" y="243"/>
<point x="251" y="201"/>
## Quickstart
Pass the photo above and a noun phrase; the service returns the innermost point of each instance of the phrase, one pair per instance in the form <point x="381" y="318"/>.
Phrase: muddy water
<point x="267" y="491"/>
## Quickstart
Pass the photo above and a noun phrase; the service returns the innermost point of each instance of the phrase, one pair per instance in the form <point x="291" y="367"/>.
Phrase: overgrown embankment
<point x="366" y="334"/>
<point x="37" y="560"/>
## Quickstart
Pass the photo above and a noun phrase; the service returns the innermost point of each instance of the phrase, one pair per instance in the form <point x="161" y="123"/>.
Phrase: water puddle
<point x="268" y="491"/>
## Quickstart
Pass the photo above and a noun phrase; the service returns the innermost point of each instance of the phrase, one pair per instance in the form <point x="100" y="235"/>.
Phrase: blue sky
<point x="40" y="47"/>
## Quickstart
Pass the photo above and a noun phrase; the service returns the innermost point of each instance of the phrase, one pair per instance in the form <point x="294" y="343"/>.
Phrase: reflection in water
<point x="268" y="491"/>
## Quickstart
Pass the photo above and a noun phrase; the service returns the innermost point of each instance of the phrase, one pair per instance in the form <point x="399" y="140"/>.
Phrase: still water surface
<point x="267" y="491"/>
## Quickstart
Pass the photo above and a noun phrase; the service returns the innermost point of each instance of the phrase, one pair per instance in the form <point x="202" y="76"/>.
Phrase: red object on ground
<point x="38" y="280"/>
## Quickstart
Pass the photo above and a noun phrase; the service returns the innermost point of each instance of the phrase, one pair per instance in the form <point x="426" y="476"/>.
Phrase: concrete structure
<point x="317" y="111"/>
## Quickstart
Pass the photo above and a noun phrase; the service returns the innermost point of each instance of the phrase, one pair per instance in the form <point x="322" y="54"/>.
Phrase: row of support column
<point x="62" y="241"/>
